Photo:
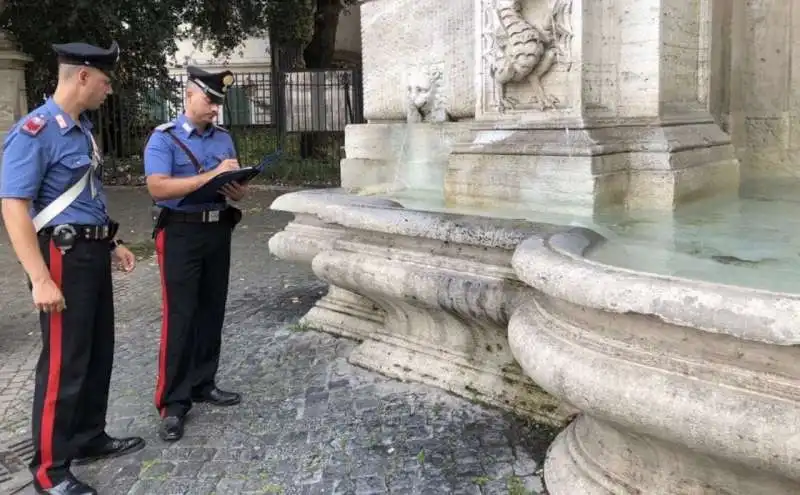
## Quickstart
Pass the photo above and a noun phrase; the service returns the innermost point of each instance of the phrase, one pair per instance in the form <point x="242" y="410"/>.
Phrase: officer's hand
<point x="47" y="297"/>
<point x="124" y="258"/>
<point x="227" y="165"/>
<point x="234" y="191"/>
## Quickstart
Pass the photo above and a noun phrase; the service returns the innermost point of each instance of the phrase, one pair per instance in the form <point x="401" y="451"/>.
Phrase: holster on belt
<point x="159" y="216"/>
<point x="235" y="215"/>
<point x="64" y="237"/>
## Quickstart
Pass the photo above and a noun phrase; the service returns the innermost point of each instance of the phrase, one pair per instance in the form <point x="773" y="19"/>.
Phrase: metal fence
<point x="319" y="100"/>
<point x="302" y="112"/>
<point x="314" y="106"/>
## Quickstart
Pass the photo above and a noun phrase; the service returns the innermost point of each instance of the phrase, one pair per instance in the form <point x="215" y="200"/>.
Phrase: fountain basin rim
<point x="555" y="264"/>
<point x="550" y="258"/>
<point x="384" y="216"/>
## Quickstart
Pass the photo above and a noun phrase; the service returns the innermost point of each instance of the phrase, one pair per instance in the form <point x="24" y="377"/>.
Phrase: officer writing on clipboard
<point x="51" y="170"/>
<point x="193" y="245"/>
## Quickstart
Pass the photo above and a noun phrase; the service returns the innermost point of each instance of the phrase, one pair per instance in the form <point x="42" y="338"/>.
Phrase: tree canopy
<point x="146" y="30"/>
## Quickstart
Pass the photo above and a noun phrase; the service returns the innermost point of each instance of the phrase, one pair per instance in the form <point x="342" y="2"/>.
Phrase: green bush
<point x="254" y="144"/>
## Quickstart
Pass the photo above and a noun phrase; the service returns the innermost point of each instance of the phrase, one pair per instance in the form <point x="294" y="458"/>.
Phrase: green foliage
<point x="256" y="143"/>
<point x="145" y="34"/>
<point x="146" y="31"/>
<point x="223" y="24"/>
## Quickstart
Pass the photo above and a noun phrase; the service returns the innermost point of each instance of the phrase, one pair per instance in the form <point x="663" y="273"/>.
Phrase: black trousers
<point x="74" y="369"/>
<point x="194" y="260"/>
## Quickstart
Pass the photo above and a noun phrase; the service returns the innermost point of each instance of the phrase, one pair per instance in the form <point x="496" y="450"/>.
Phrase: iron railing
<point x="302" y="112"/>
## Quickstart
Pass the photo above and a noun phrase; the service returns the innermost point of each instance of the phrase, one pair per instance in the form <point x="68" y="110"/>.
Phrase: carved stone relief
<point x="519" y="52"/>
<point x="425" y="101"/>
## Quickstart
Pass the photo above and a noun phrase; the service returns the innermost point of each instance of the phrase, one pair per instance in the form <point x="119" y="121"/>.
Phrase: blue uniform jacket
<point x="44" y="154"/>
<point x="164" y="157"/>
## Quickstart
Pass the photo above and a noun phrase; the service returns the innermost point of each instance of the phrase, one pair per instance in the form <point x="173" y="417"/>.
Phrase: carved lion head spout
<point x="424" y="98"/>
<point x="421" y="89"/>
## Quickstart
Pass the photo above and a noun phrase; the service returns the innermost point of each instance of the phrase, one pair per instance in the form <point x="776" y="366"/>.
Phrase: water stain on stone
<point x="733" y="260"/>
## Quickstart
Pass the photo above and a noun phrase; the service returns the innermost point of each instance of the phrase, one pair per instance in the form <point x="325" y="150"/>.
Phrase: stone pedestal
<point x="620" y="116"/>
<point x="582" y="167"/>
<point x="389" y="157"/>
<point x="406" y="42"/>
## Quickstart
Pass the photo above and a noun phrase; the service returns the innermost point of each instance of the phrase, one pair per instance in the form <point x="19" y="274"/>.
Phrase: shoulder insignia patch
<point x="219" y="127"/>
<point x="34" y="125"/>
<point x="165" y="126"/>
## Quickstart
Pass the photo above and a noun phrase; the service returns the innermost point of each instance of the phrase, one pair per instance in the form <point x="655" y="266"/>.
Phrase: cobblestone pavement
<point x="309" y="422"/>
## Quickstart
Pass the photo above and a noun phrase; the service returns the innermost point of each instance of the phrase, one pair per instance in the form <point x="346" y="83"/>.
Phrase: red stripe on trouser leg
<point x="161" y="377"/>
<point x="53" y="377"/>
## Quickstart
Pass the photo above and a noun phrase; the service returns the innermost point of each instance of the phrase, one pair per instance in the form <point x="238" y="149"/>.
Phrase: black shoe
<point x="107" y="448"/>
<point x="171" y="429"/>
<point x="69" y="486"/>
<point x="218" y="397"/>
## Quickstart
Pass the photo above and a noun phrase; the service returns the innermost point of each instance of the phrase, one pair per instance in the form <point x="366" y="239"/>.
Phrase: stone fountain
<point x="463" y="247"/>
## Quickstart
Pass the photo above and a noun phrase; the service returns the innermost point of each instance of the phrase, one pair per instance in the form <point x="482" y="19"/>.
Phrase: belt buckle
<point x="104" y="232"/>
<point x="213" y="216"/>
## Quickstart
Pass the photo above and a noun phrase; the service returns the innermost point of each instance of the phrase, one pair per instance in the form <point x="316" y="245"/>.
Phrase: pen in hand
<point x="230" y="166"/>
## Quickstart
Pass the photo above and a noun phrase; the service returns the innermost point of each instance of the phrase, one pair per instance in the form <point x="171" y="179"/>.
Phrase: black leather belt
<point x="83" y="232"/>
<point x="209" y="216"/>
<point x="65" y="235"/>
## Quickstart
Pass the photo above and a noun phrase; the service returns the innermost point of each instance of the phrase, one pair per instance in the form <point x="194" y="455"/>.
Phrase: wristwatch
<point x="114" y="243"/>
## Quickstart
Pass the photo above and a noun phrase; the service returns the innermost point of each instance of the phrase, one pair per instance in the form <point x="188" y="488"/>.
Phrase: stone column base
<point x="579" y="168"/>
<point x="593" y="457"/>
<point x="346" y="314"/>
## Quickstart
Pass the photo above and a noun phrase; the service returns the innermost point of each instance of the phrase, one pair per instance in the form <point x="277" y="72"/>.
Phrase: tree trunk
<point x="319" y="55"/>
<point x="320" y="51"/>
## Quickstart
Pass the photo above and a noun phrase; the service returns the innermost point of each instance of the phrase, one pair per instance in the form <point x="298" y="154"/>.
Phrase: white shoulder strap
<point x="67" y="197"/>
<point x="60" y="203"/>
<point x="95" y="163"/>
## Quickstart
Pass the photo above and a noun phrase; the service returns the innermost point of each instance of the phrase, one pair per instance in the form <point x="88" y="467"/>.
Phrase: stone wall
<point x="13" y="99"/>
<point x="762" y="94"/>
<point x="400" y="37"/>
